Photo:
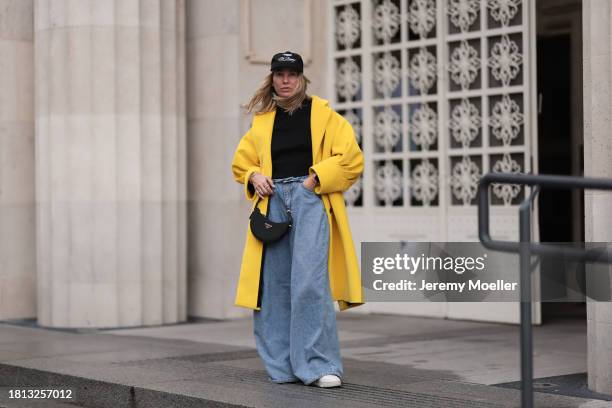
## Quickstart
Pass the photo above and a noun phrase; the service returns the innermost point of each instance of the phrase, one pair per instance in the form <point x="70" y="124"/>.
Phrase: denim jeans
<point x="295" y="330"/>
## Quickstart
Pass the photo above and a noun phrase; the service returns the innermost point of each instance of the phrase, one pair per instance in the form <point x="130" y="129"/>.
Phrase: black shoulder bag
<point x="266" y="230"/>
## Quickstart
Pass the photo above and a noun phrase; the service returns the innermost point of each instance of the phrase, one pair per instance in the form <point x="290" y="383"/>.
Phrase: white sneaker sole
<point x="329" y="384"/>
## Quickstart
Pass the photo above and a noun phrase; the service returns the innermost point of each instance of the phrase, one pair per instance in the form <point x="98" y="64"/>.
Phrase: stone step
<point x="220" y="385"/>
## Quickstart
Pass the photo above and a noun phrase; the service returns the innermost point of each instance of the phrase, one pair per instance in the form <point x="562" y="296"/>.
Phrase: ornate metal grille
<point x="438" y="92"/>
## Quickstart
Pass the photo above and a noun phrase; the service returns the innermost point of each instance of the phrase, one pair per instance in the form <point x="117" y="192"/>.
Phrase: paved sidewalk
<point x="389" y="361"/>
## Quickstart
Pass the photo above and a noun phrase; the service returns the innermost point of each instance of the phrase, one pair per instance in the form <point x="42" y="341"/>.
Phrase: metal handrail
<point x="526" y="248"/>
<point x="559" y="182"/>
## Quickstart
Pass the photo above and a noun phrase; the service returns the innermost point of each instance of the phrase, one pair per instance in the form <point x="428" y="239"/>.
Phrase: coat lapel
<point x="318" y="119"/>
<point x="263" y="125"/>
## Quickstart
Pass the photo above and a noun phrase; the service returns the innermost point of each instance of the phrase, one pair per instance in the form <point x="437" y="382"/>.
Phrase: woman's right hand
<point x="264" y="186"/>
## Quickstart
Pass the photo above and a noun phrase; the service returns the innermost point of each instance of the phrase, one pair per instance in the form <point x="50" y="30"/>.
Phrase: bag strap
<point x="287" y="210"/>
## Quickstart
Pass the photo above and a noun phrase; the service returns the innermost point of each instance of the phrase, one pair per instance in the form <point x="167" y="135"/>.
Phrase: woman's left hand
<point x="309" y="183"/>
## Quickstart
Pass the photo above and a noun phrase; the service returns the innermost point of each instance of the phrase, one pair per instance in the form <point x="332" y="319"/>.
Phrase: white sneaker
<point x="328" y="381"/>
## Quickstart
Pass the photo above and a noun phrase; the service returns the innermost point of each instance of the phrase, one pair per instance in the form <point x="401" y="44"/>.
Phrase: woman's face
<point x="285" y="82"/>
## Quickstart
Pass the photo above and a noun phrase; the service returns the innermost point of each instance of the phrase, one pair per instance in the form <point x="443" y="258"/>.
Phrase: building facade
<point x="119" y="119"/>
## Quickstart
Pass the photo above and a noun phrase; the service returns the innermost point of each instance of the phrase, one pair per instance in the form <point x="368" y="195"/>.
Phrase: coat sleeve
<point x="339" y="171"/>
<point x="245" y="162"/>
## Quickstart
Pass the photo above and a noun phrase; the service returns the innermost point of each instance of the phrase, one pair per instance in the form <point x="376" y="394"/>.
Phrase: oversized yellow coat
<point x="338" y="162"/>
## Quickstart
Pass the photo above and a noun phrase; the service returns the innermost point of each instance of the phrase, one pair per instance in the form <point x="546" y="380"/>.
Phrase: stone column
<point x="110" y="162"/>
<point x="17" y="211"/>
<point x="217" y="213"/>
<point x="597" y="54"/>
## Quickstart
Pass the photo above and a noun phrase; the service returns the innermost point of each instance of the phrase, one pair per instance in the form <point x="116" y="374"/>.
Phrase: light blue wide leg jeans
<point x="295" y="330"/>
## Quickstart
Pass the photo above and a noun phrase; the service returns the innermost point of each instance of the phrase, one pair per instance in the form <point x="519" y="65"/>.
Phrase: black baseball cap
<point x="287" y="59"/>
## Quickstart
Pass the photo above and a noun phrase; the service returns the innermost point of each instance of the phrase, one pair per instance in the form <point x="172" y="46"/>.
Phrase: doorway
<point x="561" y="212"/>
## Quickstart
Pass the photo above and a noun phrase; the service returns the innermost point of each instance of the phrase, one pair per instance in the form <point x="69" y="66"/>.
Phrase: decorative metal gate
<point x="438" y="92"/>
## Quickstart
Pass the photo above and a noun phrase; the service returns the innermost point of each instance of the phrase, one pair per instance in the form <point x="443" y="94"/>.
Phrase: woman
<point x="298" y="155"/>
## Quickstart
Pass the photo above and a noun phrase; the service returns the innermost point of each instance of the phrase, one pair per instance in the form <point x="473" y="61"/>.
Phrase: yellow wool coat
<point x="338" y="163"/>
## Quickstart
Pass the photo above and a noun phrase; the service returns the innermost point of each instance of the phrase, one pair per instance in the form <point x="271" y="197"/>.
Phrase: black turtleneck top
<point x="291" y="142"/>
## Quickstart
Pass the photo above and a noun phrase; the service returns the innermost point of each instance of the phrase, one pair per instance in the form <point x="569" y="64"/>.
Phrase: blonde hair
<point x="266" y="100"/>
